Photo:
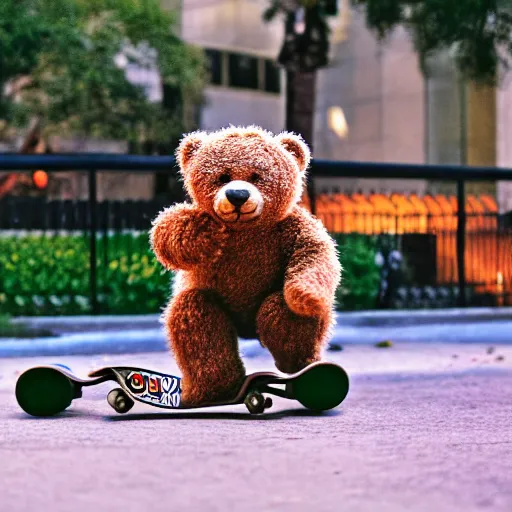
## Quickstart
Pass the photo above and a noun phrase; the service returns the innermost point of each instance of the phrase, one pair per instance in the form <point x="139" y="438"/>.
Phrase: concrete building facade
<point x="238" y="43"/>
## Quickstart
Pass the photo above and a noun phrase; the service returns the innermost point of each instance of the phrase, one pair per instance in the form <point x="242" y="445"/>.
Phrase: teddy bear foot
<point x="291" y="367"/>
<point x="202" y="397"/>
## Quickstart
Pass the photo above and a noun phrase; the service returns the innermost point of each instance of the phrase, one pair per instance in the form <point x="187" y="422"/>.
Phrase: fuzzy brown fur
<point x="266" y="269"/>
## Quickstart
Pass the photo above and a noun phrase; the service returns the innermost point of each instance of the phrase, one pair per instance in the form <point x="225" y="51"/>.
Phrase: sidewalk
<point x="420" y="431"/>
<point x="136" y="334"/>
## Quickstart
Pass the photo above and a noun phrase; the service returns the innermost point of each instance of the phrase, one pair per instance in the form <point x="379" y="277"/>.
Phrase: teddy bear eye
<point x="225" y="178"/>
<point x="255" y="177"/>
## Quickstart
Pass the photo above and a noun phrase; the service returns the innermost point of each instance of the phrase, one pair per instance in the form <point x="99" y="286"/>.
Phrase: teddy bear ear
<point x="188" y="147"/>
<point x="296" y="146"/>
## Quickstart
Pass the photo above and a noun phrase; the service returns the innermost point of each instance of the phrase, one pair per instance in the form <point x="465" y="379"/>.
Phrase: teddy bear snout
<point x="237" y="197"/>
<point x="238" y="201"/>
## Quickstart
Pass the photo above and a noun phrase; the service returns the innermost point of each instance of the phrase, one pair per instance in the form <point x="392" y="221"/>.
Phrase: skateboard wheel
<point x="255" y="402"/>
<point x="119" y="401"/>
<point x="44" y="391"/>
<point x="322" y="387"/>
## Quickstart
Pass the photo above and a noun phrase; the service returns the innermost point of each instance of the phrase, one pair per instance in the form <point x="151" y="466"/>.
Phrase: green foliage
<point x="327" y="7"/>
<point x="67" y="49"/>
<point x="307" y="50"/>
<point x="478" y="31"/>
<point x="47" y="275"/>
<point x="42" y="275"/>
<point x="361" y="276"/>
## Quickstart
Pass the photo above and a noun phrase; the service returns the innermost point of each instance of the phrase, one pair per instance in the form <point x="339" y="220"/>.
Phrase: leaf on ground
<point x="384" y="344"/>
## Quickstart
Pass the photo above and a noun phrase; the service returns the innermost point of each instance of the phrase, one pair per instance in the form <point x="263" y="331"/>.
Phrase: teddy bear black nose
<point x="237" y="197"/>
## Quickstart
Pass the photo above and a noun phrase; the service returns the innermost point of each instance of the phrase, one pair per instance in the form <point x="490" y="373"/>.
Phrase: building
<point x="246" y="86"/>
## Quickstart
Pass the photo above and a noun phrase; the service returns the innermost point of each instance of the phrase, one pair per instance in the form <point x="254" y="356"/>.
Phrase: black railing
<point x="94" y="163"/>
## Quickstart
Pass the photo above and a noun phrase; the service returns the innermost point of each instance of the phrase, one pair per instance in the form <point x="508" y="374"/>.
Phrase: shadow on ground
<point x="188" y="415"/>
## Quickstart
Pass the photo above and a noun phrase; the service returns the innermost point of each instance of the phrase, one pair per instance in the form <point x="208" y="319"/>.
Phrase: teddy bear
<point x="249" y="261"/>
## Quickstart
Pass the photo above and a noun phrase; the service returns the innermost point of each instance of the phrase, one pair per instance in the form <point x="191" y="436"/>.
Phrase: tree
<point x="305" y="50"/>
<point x="478" y="32"/>
<point x="58" y="62"/>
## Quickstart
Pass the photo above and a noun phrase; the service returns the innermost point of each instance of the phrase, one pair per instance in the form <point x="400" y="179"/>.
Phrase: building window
<point x="272" y="77"/>
<point x="214" y="63"/>
<point x="243" y="71"/>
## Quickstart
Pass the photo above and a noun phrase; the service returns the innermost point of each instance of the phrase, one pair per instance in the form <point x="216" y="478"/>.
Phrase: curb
<point x="70" y="324"/>
<point x="154" y="340"/>
<point x="127" y="342"/>
<point x="90" y="323"/>
<point x="424" y="316"/>
<point x="120" y="342"/>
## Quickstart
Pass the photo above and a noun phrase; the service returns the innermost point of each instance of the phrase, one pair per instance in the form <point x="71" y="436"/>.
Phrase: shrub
<point x="361" y="275"/>
<point x="43" y="275"/>
<point x="49" y="275"/>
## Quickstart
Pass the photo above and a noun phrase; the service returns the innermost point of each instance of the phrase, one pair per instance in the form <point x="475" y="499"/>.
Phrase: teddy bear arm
<point x="313" y="272"/>
<point x="179" y="237"/>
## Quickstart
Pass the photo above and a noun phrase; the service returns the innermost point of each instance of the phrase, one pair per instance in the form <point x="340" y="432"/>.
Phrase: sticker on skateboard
<point x="150" y="387"/>
<point x="49" y="390"/>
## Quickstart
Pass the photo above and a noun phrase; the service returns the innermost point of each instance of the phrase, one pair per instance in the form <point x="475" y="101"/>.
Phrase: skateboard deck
<point x="49" y="390"/>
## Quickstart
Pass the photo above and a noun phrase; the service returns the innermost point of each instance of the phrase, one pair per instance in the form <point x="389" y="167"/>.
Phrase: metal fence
<point x="457" y="259"/>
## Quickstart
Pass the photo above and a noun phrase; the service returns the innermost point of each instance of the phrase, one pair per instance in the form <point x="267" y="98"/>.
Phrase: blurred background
<point x="415" y="83"/>
<point x="407" y="108"/>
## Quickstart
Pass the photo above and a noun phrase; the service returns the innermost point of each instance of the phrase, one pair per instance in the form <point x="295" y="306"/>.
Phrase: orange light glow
<point x="40" y="179"/>
<point x="375" y="214"/>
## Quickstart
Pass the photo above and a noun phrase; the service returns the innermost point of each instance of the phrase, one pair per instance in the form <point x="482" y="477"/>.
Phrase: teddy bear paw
<point x="303" y="301"/>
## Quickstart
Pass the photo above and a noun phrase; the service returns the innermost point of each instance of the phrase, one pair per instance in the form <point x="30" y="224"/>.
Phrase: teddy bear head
<point x="244" y="176"/>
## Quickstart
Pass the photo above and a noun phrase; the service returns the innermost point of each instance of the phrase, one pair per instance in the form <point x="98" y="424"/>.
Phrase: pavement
<point x="425" y="427"/>
<point x="143" y="333"/>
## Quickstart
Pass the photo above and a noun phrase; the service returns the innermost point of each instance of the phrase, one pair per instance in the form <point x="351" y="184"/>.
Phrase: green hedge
<point x="361" y="276"/>
<point x="42" y="275"/>
<point x="46" y="275"/>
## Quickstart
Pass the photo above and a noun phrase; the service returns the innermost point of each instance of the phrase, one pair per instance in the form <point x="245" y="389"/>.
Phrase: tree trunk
<point x="300" y="112"/>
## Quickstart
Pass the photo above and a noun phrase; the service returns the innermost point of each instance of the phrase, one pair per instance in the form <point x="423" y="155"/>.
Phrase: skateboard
<point x="48" y="390"/>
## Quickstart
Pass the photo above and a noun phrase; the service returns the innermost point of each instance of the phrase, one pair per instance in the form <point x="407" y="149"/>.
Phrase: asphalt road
<point x="421" y="430"/>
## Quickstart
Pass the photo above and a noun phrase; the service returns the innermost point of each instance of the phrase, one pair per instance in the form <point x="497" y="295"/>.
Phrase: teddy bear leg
<point x="294" y="341"/>
<point x="205" y="345"/>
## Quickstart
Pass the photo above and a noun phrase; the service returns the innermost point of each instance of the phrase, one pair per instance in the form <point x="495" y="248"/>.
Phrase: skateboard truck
<point x="120" y="401"/>
<point x="256" y="403"/>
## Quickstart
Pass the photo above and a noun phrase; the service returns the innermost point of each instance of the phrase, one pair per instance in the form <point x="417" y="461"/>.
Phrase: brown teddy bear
<point x="251" y="262"/>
